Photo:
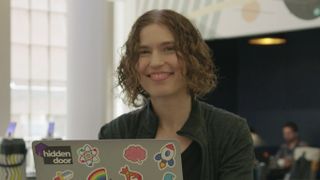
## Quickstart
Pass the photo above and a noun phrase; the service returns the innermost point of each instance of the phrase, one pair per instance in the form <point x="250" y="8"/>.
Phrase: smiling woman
<point x="159" y="70"/>
<point x="175" y="37"/>
<point x="167" y="63"/>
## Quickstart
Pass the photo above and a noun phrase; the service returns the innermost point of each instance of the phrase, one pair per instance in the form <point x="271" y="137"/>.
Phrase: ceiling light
<point x="267" y="41"/>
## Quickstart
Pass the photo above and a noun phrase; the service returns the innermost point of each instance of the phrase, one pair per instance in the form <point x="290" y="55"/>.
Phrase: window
<point x="38" y="67"/>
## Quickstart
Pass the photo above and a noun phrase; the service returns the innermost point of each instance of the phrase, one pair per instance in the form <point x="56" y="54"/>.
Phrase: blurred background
<point x="58" y="61"/>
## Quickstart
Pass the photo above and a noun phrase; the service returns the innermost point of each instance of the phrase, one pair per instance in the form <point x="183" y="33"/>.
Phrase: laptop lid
<point x="134" y="159"/>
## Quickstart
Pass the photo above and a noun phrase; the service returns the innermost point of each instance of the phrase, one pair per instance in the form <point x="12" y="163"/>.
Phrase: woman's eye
<point x="144" y="52"/>
<point x="169" y="49"/>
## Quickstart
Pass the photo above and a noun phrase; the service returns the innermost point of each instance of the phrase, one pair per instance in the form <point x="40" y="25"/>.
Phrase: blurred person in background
<point x="284" y="158"/>
<point x="290" y="134"/>
<point x="257" y="140"/>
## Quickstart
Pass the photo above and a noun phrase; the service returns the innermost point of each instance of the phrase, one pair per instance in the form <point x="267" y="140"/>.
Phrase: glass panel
<point x="29" y="107"/>
<point x="39" y="24"/>
<point x="58" y="30"/>
<point x="19" y="3"/>
<point x="39" y="98"/>
<point x="19" y="62"/>
<point x="58" y="99"/>
<point x="39" y="4"/>
<point x="19" y="26"/>
<point x="58" y="5"/>
<point x="60" y="123"/>
<point x="58" y="64"/>
<point x="22" y="129"/>
<point x="39" y="68"/>
<point x="39" y="126"/>
<point x="19" y="98"/>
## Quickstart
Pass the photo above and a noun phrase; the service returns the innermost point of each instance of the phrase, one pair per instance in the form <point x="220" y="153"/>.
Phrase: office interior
<point x="58" y="60"/>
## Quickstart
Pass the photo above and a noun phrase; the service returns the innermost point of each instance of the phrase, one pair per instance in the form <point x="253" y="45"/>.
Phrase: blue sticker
<point x="169" y="176"/>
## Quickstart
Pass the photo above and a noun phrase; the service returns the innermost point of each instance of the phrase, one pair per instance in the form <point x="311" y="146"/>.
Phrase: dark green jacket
<point x="227" y="148"/>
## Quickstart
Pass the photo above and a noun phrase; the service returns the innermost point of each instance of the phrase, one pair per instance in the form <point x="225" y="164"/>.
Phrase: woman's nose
<point x="156" y="59"/>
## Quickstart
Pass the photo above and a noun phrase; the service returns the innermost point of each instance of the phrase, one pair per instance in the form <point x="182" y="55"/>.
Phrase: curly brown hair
<point x="190" y="48"/>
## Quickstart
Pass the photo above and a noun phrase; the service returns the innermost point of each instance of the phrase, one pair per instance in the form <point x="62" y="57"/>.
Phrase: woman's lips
<point x="160" y="76"/>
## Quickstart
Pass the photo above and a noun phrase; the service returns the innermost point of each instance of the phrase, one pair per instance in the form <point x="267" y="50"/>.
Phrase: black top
<point x="191" y="162"/>
<point x="224" y="138"/>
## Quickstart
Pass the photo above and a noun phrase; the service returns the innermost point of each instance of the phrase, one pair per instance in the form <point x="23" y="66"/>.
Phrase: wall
<point x="226" y="93"/>
<point x="272" y="84"/>
<point x="281" y="83"/>
<point x="4" y="65"/>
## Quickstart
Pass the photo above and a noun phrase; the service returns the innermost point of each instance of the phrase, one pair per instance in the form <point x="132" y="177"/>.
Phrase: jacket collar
<point x="194" y="128"/>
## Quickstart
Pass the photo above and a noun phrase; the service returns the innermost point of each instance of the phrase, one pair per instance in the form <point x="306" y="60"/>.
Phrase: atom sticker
<point x="88" y="155"/>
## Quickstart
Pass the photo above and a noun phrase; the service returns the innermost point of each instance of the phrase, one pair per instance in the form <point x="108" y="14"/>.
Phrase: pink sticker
<point x="135" y="154"/>
<point x="130" y="174"/>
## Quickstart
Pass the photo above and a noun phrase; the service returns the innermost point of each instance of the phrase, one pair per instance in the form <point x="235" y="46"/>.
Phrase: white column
<point x="90" y="64"/>
<point x="124" y="17"/>
<point x="4" y="65"/>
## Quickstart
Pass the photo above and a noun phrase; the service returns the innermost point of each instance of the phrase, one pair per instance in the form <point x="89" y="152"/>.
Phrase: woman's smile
<point x="160" y="76"/>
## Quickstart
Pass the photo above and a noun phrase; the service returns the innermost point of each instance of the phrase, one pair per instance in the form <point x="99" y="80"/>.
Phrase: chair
<point x="306" y="161"/>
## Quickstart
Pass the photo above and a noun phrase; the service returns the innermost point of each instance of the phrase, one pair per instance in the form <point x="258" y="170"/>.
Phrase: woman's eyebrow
<point x="144" y="47"/>
<point x="165" y="43"/>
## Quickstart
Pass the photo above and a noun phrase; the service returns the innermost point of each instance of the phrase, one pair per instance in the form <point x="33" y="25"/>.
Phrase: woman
<point x="168" y="64"/>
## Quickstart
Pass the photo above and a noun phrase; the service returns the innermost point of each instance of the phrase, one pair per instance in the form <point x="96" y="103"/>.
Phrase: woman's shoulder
<point x="219" y="117"/>
<point x="122" y="126"/>
<point x="223" y="126"/>
<point x="227" y="132"/>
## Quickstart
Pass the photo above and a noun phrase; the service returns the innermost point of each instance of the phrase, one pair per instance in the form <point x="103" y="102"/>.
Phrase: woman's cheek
<point x="142" y="65"/>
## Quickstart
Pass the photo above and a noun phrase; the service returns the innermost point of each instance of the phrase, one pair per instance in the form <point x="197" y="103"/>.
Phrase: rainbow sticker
<point x="98" y="174"/>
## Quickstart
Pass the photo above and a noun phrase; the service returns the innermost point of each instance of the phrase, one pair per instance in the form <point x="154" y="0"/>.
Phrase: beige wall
<point x="4" y="65"/>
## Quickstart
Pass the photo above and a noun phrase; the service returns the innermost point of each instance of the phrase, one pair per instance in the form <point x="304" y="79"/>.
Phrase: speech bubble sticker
<point x="63" y="175"/>
<point x="88" y="155"/>
<point x="135" y="154"/>
<point x="129" y="174"/>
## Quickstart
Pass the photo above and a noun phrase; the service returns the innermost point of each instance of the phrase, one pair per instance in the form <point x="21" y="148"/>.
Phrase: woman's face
<point x="161" y="73"/>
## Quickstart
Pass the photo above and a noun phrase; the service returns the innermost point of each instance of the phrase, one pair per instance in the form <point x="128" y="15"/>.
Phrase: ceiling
<point x="218" y="19"/>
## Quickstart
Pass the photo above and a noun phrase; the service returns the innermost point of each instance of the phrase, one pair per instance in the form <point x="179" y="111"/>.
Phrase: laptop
<point x="125" y="159"/>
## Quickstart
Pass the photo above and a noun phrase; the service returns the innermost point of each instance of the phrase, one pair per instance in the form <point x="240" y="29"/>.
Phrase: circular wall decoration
<point x="250" y="11"/>
<point x="304" y="9"/>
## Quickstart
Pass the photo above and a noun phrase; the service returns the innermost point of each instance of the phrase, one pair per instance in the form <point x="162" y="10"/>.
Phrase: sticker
<point x="169" y="176"/>
<point x="135" y="154"/>
<point x="98" y="174"/>
<point x="56" y="155"/>
<point x="129" y="174"/>
<point x="63" y="175"/>
<point x="88" y="155"/>
<point x="165" y="157"/>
